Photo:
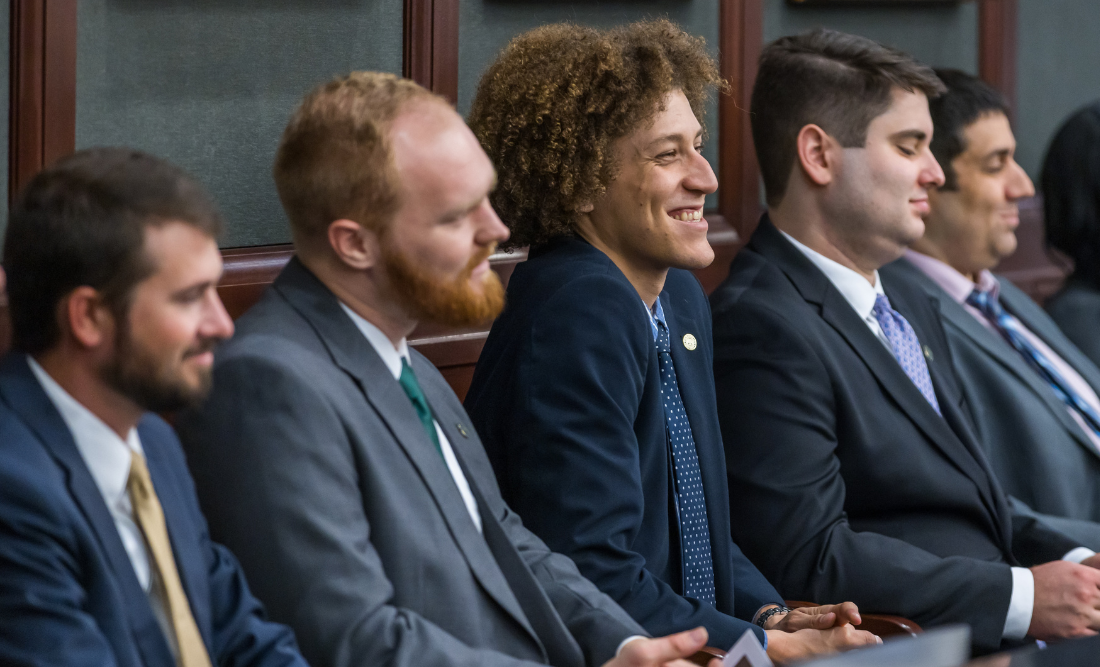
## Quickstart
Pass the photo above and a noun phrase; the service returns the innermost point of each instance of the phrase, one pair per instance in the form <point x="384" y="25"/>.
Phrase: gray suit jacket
<point x="1042" y="457"/>
<point x="311" y="465"/>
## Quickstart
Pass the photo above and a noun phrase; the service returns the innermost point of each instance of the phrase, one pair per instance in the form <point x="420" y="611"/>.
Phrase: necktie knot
<point x="420" y="403"/>
<point x="664" y="344"/>
<point x="986" y="302"/>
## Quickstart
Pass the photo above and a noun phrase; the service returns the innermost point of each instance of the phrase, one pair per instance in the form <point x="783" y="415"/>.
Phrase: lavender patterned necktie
<point x="906" y="348"/>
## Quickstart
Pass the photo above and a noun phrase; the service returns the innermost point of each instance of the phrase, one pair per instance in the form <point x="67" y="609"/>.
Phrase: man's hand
<point x="1067" y="601"/>
<point x="816" y="618"/>
<point x="785" y="646"/>
<point x="667" y="651"/>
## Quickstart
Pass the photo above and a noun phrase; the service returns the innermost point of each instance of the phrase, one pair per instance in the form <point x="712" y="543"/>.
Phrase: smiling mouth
<point x="687" y="215"/>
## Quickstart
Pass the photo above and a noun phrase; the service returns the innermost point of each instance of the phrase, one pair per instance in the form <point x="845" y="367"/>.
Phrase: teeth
<point x="685" y="216"/>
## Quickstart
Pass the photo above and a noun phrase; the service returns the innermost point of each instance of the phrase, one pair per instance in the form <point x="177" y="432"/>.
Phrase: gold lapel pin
<point x="689" y="342"/>
<point x="461" y="430"/>
<point x="927" y="352"/>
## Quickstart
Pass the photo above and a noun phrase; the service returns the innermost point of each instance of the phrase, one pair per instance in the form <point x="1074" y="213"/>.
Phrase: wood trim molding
<point x="431" y="45"/>
<point x="997" y="28"/>
<point x="740" y="36"/>
<point x="43" y="87"/>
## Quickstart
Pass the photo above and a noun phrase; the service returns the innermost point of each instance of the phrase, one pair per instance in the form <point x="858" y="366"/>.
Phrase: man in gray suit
<point x="337" y="461"/>
<point x="1032" y="394"/>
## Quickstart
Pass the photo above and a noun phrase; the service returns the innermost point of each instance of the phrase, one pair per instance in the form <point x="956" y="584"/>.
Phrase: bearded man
<point x="112" y="265"/>
<point x="338" y="461"/>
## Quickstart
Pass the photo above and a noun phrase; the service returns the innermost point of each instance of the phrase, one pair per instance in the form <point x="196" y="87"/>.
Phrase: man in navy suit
<point x="593" y="393"/>
<point x="112" y="266"/>
<point x="852" y="461"/>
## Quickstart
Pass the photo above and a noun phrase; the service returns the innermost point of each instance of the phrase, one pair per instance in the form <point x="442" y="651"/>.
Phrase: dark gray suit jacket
<point x="1076" y="310"/>
<point x="311" y="464"/>
<point x="1041" y="455"/>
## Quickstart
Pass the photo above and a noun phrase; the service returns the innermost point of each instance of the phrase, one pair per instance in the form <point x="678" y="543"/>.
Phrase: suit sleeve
<point x="42" y="601"/>
<point x="778" y="413"/>
<point x="271" y="457"/>
<point x="577" y="460"/>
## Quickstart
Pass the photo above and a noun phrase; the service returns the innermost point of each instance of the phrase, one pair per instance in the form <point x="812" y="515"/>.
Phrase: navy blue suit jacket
<point x="68" y="591"/>
<point x="566" y="397"/>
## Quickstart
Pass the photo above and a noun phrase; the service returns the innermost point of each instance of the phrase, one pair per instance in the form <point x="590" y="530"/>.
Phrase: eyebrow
<point x="919" y="135"/>
<point x="1000" y="152"/>
<point x="672" y="138"/>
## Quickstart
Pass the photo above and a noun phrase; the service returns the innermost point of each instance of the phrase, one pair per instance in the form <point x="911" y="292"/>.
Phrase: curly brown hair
<point x="550" y="106"/>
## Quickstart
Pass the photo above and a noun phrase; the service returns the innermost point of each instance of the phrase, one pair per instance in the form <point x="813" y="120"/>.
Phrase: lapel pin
<point x="461" y="430"/>
<point x="927" y="352"/>
<point x="689" y="342"/>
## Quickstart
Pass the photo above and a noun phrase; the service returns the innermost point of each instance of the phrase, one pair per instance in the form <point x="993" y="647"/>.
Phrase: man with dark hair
<point x="593" y="392"/>
<point x="328" y="436"/>
<point x="1031" y="394"/>
<point x="112" y="266"/>
<point x="852" y="463"/>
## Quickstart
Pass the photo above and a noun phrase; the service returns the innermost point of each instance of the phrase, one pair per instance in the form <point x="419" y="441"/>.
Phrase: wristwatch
<point x="763" y="618"/>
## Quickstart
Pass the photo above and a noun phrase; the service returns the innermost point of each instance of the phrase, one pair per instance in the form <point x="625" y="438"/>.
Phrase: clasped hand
<point x="814" y="630"/>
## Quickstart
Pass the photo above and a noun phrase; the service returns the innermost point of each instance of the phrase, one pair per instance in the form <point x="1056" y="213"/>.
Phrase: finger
<point x="658" y="651"/>
<point x="825" y="621"/>
<point x="848" y="612"/>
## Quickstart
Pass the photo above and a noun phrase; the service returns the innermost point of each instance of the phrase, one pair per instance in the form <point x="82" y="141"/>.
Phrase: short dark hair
<point x="81" y="222"/>
<point x="837" y="81"/>
<point x="1071" y="192"/>
<point x="548" y="109"/>
<point x="967" y="99"/>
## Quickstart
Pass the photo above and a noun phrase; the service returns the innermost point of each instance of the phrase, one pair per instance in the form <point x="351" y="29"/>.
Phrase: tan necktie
<point x="150" y="518"/>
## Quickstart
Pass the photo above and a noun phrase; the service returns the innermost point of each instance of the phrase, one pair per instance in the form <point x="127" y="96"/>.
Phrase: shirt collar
<point x="957" y="286"/>
<point x="391" y="356"/>
<point x="656" y="314"/>
<point x="106" y="455"/>
<point x="855" y="289"/>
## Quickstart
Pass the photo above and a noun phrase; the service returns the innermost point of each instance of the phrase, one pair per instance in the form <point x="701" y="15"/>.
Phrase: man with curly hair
<point x="593" y="393"/>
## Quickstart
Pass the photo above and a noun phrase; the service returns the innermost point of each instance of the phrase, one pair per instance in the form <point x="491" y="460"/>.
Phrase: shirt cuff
<point x="1021" y="604"/>
<point x="627" y="641"/>
<point x="1079" y="554"/>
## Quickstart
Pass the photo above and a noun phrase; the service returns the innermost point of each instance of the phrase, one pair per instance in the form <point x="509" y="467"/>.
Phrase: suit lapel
<point x="26" y="397"/>
<point x="838" y="313"/>
<point x="352" y="352"/>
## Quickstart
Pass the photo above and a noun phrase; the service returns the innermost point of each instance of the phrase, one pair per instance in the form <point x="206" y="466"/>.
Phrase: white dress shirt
<point x="861" y="295"/>
<point x="108" y="459"/>
<point x="391" y="356"/>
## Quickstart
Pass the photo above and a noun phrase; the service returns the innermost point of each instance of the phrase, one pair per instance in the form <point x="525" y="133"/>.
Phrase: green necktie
<point x="412" y="389"/>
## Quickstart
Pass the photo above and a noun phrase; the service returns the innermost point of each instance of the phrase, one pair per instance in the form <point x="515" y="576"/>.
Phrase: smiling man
<point x="112" y="264"/>
<point x="1031" y="393"/>
<point x="852" y="462"/>
<point x="338" y="461"/>
<point x="593" y="392"/>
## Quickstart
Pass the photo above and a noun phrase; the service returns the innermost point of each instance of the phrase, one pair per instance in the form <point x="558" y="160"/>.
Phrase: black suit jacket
<point x="567" y="399"/>
<point x="847" y="484"/>
<point x="68" y="591"/>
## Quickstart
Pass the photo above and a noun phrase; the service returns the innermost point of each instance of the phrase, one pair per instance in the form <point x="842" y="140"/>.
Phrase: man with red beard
<point x="338" y="461"/>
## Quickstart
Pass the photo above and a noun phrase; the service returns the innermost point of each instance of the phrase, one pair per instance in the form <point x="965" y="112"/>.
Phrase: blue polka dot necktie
<point x="906" y="348"/>
<point x="1010" y="328"/>
<point x="692" y="505"/>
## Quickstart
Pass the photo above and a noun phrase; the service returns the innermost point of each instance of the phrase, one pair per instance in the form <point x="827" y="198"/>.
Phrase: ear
<point x="354" y="245"/>
<point x="817" y="154"/>
<point x="87" y="318"/>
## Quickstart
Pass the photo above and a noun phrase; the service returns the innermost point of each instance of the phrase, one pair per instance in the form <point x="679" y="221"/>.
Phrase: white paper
<point x="747" y="652"/>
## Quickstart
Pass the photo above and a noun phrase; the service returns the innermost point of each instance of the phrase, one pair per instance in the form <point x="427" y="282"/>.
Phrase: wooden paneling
<point x="431" y="45"/>
<point x="43" y="87"/>
<point x="997" y="45"/>
<point x="740" y="36"/>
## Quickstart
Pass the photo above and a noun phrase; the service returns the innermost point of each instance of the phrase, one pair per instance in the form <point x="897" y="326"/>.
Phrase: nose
<point x="700" y="176"/>
<point x="931" y="173"/>
<point x="490" y="228"/>
<point x="216" y="322"/>
<point x="1018" y="185"/>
